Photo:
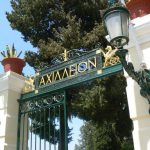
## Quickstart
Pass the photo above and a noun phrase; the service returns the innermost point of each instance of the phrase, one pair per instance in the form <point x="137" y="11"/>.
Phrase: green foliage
<point x="127" y="145"/>
<point x="102" y="137"/>
<point x="53" y="26"/>
<point x="104" y="103"/>
<point x="36" y="19"/>
<point x="97" y="137"/>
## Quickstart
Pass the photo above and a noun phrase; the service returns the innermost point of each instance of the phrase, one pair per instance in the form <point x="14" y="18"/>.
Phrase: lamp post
<point x="117" y="24"/>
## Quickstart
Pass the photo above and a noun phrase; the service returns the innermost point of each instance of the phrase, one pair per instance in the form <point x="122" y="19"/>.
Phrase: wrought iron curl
<point x="142" y="77"/>
<point x="68" y="56"/>
<point x="41" y="102"/>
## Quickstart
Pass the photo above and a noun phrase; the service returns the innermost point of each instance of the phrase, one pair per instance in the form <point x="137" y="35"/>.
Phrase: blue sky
<point x="8" y="37"/>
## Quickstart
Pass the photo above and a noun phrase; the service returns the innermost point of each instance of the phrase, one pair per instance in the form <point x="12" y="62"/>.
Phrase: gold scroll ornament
<point x="29" y="85"/>
<point x="110" y="57"/>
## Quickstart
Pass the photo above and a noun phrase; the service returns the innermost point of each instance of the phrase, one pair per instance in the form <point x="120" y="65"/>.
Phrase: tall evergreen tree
<point x="103" y="137"/>
<point x="97" y="137"/>
<point x="104" y="106"/>
<point x="55" y="25"/>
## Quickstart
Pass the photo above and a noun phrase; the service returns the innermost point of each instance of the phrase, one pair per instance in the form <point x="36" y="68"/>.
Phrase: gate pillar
<point x="11" y="85"/>
<point x="139" y="106"/>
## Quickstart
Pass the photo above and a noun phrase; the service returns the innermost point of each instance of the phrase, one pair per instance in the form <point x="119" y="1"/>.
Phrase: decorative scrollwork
<point x="67" y="55"/>
<point x="142" y="77"/>
<point x="29" y="85"/>
<point x="41" y="102"/>
<point x="58" y="98"/>
<point x="110" y="56"/>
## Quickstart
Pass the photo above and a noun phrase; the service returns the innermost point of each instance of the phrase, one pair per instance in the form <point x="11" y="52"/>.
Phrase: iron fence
<point x="42" y="123"/>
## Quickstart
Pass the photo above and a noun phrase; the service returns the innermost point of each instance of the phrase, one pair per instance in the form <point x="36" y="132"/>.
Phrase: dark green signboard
<point x="72" y="72"/>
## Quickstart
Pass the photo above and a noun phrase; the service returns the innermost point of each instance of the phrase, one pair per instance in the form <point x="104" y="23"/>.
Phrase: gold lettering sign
<point x="57" y="76"/>
<point x="42" y="81"/>
<point x="65" y="74"/>
<point x="49" y="78"/>
<point x="73" y="70"/>
<point x="68" y="72"/>
<point x="92" y="63"/>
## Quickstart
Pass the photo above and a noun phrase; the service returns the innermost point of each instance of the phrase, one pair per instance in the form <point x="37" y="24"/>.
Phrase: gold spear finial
<point x="65" y="55"/>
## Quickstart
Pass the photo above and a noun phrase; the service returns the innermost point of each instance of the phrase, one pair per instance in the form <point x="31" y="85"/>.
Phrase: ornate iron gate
<point x="42" y="123"/>
<point x="42" y="120"/>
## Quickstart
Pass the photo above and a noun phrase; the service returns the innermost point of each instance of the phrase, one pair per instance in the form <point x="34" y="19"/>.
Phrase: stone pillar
<point x="11" y="85"/>
<point x="138" y="105"/>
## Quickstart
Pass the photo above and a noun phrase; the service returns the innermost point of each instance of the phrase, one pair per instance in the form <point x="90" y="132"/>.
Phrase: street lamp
<point x="117" y="21"/>
<point x="117" y="24"/>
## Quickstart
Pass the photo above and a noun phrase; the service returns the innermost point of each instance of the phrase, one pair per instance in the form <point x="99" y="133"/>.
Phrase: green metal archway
<point x="42" y="121"/>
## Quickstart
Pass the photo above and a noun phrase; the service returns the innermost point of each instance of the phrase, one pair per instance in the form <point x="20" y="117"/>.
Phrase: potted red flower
<point x="11" y="61"/>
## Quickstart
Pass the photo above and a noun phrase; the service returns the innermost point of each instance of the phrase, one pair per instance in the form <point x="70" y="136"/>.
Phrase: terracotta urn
<point x="13" y="64"/>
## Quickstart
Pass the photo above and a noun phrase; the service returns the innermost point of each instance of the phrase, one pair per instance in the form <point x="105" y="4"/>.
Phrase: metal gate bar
<point x="39" y="125"/>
